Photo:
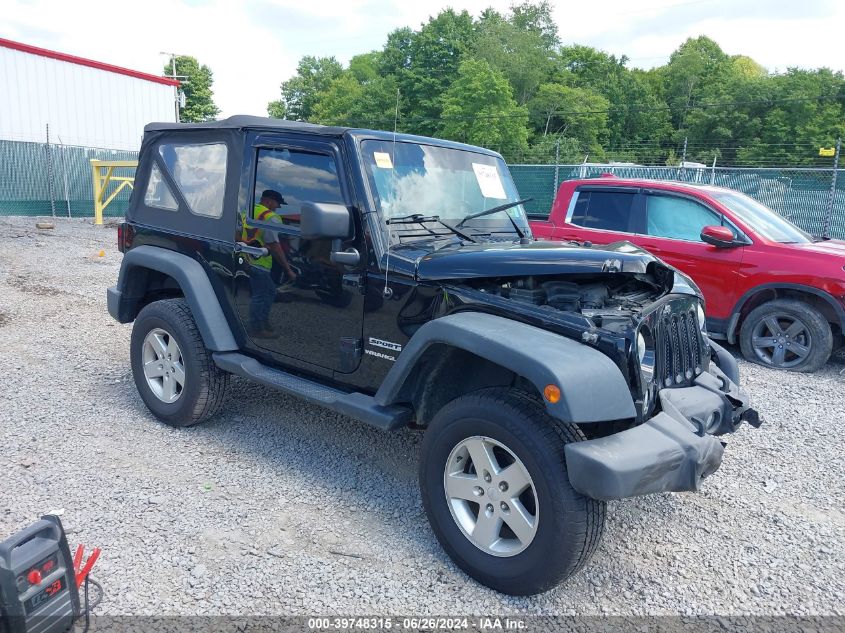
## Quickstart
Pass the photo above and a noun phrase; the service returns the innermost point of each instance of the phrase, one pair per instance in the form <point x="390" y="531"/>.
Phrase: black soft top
<point x="245" y="121"/>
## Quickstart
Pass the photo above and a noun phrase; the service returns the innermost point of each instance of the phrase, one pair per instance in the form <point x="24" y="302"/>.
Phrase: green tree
<point x="567" y="111"/>
<point x="636" y="116"/>
<point x="276" y="109"/>
<point x="698" y="64"/>
<point x="196" y="86"/>
<point x="522" y="55"/>
<point x="806" y="111"/>
<point x="505" y="81"/>
<point x="719" y="130"/>
<point x="349" y="102"/>
<point x="300" y="92"/>
<point x="365" y="67"/>
<point x="544" y="149"/>
<point x="536" y="18"/>
<point x="425" y="63"/>
<point x="479" y="108"/>
<point x="744" y="66"/>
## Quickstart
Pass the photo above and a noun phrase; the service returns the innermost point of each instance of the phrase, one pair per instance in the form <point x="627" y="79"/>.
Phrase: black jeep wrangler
<point x="394" y="279"/>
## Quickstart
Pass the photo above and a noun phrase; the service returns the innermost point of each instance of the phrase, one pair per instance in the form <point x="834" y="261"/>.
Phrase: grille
<point x="681" y="348"/>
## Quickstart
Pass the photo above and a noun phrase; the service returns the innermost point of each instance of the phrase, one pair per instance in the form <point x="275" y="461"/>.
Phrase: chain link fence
<point x="38" y="179"/>
<point x="803" y="195"/>
<point x="53" y="180"/>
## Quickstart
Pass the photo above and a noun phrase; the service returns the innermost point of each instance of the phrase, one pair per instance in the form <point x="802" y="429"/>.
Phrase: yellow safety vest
<point x="254" y="235"/>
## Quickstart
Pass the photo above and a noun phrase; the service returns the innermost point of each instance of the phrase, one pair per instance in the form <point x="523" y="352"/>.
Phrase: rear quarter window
<point x="199" y="171"/>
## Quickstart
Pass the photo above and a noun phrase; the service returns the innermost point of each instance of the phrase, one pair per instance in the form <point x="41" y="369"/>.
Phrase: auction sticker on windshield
<point x="489" y="181"/>
<point x="383" y="160"/>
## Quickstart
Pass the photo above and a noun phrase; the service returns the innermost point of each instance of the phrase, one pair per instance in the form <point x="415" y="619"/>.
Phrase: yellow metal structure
<point x="103" y="174"/>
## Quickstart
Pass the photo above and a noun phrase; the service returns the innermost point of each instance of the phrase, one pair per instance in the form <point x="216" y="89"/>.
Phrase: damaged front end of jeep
<point x="650" y="321"/>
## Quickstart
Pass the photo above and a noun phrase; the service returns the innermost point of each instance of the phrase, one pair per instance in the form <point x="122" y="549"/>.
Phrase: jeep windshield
<point x="443" y="186"/>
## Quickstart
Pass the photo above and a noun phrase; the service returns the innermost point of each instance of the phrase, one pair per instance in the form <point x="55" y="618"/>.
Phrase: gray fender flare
<point x="592" y="386"/>
<point x="193" y="280"/>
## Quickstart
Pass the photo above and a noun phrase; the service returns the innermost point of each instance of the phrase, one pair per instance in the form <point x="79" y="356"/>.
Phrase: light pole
<point x="174" y="76"/>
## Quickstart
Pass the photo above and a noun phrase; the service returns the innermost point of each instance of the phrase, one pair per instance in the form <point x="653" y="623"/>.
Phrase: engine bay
<point x="609" y="301"/>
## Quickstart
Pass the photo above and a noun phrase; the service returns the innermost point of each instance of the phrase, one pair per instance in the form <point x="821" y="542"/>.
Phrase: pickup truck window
<point x="299" y="177"/>
<point x="200" y="173"/>
<point x="678" y="218"/>
<point x="606" y="210"/>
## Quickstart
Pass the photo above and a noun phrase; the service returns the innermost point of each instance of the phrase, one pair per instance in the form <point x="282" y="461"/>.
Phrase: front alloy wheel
<point x="495" y="488"/>
<point x="491" y="496"/>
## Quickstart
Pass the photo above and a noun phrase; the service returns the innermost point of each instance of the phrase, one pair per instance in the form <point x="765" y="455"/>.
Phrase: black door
<point x="302" y="308"/>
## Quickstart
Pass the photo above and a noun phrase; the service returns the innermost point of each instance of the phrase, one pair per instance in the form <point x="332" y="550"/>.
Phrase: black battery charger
<point x="38" y="588"/>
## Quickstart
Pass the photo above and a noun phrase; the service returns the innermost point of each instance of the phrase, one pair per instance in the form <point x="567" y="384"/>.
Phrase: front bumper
<point x="671" y="452"/>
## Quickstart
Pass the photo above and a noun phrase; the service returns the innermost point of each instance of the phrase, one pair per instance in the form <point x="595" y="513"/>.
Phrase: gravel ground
<point x="278" y="507"/>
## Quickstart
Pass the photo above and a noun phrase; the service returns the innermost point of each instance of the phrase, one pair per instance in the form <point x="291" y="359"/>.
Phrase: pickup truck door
<point x="314" y="320"/>
<point x="673" y="224"/>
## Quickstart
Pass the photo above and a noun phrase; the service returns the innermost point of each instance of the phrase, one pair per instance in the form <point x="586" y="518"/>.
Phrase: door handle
<point x="257" y="251"/>
<point x="349" y="257"/>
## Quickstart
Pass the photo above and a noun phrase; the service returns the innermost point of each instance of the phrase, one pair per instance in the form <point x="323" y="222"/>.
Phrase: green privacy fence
<point x="37" y="179"/>
<point x="799" y="194"/>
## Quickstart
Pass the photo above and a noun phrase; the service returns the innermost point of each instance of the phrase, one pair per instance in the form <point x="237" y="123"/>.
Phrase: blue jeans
<point x="263" y="291"/>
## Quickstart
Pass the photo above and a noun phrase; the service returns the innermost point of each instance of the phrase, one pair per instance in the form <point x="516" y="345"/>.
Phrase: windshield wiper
<point x="501" y="207"/>
<point x="418" y="218"/>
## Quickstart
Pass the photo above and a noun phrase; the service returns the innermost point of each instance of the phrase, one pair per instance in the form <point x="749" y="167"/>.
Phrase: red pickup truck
<point x="767" y="283"/>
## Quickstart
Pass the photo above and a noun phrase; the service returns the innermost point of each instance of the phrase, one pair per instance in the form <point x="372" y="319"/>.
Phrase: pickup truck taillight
<point x="125" y="233"/>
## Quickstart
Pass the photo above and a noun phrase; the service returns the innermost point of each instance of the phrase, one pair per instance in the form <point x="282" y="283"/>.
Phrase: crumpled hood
<point x="535" y="258"/>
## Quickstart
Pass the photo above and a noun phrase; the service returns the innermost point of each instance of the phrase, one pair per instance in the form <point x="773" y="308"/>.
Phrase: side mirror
<point x="324" y="221"/>
<point x="719" y="236"/>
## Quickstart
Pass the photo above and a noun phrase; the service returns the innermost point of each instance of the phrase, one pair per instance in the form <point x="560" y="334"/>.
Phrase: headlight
<point x="683" y="284"/>
<point x="702" y="321"/>
<point x="645" y="354"/>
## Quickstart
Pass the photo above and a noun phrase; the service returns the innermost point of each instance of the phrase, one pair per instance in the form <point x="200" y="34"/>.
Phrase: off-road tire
<point x="569" y="525"/>
<point x="821" y="337"/>
<point x="205" y="383"/>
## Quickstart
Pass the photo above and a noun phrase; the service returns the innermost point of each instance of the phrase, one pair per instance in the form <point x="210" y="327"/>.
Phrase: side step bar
<point x="356" y="405"/>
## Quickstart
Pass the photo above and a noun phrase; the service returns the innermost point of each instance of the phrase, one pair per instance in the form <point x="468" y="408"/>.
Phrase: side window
<point x="200" y="173"/>
<point x="608" y="210"/>
<point x="284" y="179"/>
<point x="678" y="218"/>
<point x="158" y="194"/>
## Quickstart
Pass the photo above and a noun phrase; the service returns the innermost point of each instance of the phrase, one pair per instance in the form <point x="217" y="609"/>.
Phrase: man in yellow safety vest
<point x="262" y="286"/>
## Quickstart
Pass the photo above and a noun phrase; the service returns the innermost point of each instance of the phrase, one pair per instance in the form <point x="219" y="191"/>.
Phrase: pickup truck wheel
<point x="173" y="371"/>
<point x="786" y="334"/>
<point x="495" y="488"/>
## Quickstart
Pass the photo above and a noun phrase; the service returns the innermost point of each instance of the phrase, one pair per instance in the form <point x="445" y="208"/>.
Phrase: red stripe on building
<point x="81" y="61"/>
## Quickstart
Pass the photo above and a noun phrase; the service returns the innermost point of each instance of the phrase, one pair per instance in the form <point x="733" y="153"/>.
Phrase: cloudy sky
<point x="253" y="45"/>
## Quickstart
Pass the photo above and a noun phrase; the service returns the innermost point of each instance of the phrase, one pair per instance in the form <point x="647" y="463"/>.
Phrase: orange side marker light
<point x="552" y="393"/>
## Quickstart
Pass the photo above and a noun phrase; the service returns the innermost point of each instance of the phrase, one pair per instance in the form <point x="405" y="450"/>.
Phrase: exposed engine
<point x="607" y="303"/>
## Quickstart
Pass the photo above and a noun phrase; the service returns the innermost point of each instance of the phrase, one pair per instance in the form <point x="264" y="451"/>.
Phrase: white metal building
<point x="85" y="102"/>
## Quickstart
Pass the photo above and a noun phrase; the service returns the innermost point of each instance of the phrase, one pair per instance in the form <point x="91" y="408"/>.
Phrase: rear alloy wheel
<point x="786" y="334"/>
<point x="173" y="371"/>
<point x="164" y="366"/>
<point x="495" y="488"/>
